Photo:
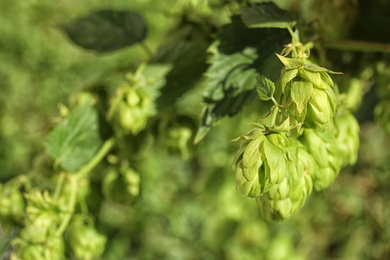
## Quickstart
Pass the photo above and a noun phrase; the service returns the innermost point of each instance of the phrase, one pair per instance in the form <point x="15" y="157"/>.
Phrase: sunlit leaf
<point x="265" y="88"/>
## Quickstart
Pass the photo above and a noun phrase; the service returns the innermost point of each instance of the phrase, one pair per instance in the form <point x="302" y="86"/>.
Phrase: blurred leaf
<point x="236" y="36"/>
<point x="75" y="140"/>
<point x="188" y="60"/>
<point x="266" y="15"/>
<point x="107" y="30"/>
<point x="265" y="88"/>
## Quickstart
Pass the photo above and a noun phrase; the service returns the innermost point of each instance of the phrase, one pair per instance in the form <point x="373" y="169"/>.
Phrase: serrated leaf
<point x="74" y="141"/>
<point x="107" y="30"/>
<point x="301" y="92"/>
<point x="267" y="15"/>
<point x="265" y="88"/>
<point x="229" y="74"/>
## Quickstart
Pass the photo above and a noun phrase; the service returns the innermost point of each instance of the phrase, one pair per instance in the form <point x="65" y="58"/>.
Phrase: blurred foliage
<point x="188" y="207"/>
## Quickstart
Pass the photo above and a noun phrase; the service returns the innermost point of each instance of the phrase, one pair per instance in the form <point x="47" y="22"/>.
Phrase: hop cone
<point x="347" y="136"/>
<point x="314" y="101"/>
<point x="282" y="208"/>
<point x="267" y="164"/>
<point x="260" y="164"/>
<point x="134" y="111"/>
<point x="325" y="149"/>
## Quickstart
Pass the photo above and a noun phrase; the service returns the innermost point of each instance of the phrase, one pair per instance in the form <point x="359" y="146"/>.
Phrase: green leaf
<point x="229" y="84"/>
<point x="75" y="140"/>
<point x="265" y="88"/>
<point x="301" y="92"/>
<point x="107" y="30"/>
<point x="236" y="36"/>
<point x="267" y="15"/>
<point x="188" y="61"/>
<point x="229" y="73"/>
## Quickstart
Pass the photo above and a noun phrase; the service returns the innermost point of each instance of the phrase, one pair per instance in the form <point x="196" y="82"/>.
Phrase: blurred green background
<point x="189" y="208"/>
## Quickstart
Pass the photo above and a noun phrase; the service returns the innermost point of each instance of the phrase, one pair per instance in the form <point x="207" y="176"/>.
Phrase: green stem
<point x="72" y="202"/>
<point x="60" y="182"/>
<point x="274" y="115"/>
<point x="106" y="147"/>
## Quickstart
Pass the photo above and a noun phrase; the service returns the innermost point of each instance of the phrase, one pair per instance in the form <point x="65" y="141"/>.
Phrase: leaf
<point x="267" y="15"/>
<point x="229" y="85"/>
<point x="188" y="61"/>
<point x="229" y="73"/>
<point x="107" y="30"/>
<point x="75" y="140"/>
<point x="265" y="88"/>
<point x="291" y="63"/>
<point x="236" y="36"/>
<point x="301" y="92"/>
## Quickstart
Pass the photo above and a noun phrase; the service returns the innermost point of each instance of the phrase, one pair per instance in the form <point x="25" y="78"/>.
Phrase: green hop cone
<point x="41" y="228"/>
<point x="311" y="90"/>
<point x="134" y="110"/>
<point x="282" y="208"/>
<point x="321" y="108"/>
<point x="86" y="243"/>
<point x="347" y="136"/>
<point x="265" y="164"/>
<point x="11" y="203"/>
<point x="53" y="248"/>
<point x="254" y="175"/>
<point x="326" y="150"/>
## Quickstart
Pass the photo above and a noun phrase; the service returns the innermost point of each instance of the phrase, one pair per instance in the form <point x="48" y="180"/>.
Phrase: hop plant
<point x="276" y="170"/>
<point x="311" y="90"/>
<point x="134" y="110"/>
<point x="281" y="209"/>
<point x="85" y="242"/>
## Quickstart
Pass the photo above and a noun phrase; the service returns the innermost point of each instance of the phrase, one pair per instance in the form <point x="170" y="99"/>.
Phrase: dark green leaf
<point x="267" y="15"/>
<point x="265" y="88"/>
<point x="236" y="36"/>
<point x="107" y="30"/>
<point x="75" y="141"/>
<point x="188" y="60"/>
